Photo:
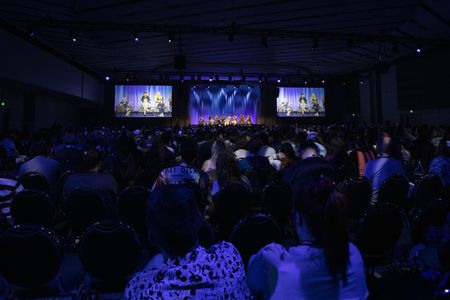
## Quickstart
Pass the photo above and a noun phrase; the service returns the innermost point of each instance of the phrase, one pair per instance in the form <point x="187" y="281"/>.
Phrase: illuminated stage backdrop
<point x="223" y="100"/>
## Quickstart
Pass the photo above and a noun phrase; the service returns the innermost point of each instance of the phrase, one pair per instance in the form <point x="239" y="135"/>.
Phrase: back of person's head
<point x="443" y="147"/>
<point x="231" y="204"/>
<point x="217" y="147"/>
<point x="125" y="144"/>
<point x="308" y="149"/>
<point x="69" y="139"/>
<point x="393" y="149"/>
<point x="92" y="160"/>
<point x="288" y="150"/>
<point x="325" y="214"/>
<point x="174" y="219"/>
<point x="188" y="150"/>
<point x="254" y="145"/>
<point x="227" y="167"/>
<point x="39" y="147"/>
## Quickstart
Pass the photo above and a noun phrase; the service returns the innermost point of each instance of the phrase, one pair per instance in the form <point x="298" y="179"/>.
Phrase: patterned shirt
<point x="214" y="273"/>
<point x="181" y="174"/>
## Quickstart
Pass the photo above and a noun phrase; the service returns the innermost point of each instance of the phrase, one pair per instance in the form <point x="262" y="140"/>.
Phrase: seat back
<point x="132" y="206"/>
<point x="427" y="189"/>
<point x="109" y="251"/>
<point x="34" y="181"/>
<point x="394" y="190"/>
<point x="358" y="192"/>
<point x="84" y="207"/>
<point x="253" y="233"/>
<point x="379" y="230"/>
<point x="277" y="201"/>
<point x="33" y="207"/>
<point x="30" y="256"/>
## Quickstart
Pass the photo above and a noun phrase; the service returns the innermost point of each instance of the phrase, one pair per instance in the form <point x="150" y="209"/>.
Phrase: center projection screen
<point x="301" y="102"/>
<point x="223" y="104"/>
<point x="143" y="101"/>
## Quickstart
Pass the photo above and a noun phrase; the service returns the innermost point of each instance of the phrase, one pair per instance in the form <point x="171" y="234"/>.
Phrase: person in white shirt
<point x="325" y="265"/>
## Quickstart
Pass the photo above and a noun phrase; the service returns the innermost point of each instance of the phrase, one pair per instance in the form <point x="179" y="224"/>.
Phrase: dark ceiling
<point x="221" y="37"/>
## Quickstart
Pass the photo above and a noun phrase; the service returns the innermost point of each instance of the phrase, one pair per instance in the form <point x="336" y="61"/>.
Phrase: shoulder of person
<point x="272" y="253"/>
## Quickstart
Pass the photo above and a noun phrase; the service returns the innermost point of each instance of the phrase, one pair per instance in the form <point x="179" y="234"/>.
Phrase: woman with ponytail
<point x="324" y="265"/>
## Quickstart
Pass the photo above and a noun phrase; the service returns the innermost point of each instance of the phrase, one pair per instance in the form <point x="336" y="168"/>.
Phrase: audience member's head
<point x="39" y="148"/>
<point x="217" y="148"/>
<point x="308" y="149"/>
<point x="393" y="149"/>
<point x="188" y="150"/>
<point x="174" y="219"/>
<point x="324" y="215"/>
<point x="92" y="161"/>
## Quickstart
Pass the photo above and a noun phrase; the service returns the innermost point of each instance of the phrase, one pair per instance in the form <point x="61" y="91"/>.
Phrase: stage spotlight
<point x="210" y="78"/>
<point x="418" y="50"/>
<point x="306" y="82"/>
<point x="278" y="80"/>
<point x="73" y="36"/>
<point x="361" y="82"/>
<point x="315" y="44"/>
<point x="323" y="81"/>
<point x="411" y="111"/>
<point x="264" y="41"/>
<point x="171" y="37"/>
<point x="107" y="78"/>
<point x="136" y="37"/>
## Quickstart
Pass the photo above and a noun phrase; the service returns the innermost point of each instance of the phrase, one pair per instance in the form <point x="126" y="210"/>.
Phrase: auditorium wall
<point x="414" y="90"/>
<point x="40" y="87"/>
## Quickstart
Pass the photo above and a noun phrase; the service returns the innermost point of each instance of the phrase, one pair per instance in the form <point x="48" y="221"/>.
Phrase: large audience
<point x="236" y="212"/>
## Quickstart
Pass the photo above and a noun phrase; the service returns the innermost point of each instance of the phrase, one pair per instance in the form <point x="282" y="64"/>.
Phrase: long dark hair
<point x="325" y="213"/>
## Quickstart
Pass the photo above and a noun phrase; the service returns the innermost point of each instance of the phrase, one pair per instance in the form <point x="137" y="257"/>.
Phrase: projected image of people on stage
<point x="301" y="102"/>
<point x="143" y="101"/>
<point x="224" y="105"/>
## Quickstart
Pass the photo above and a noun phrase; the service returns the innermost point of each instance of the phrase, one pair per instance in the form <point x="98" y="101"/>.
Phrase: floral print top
<point x="214" y="273"/>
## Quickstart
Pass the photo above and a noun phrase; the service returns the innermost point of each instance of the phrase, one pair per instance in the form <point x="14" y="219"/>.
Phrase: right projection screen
<point x="301" y="102"/>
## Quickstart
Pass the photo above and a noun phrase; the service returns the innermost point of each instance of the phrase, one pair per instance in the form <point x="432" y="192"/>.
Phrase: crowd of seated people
<point x="264" y="212"/>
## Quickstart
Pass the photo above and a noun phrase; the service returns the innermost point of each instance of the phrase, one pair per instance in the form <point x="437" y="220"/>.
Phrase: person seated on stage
<point x="125" y="106"/>
<point x="248" y="121"/>
<point x="211" y="120"/>
<point x="145" y="103"/>
<point x="228" y="121"/>
<point x="184" y="172"/>
<point x="216" y="120"/>
<point x="222" y="120"/>
<point x="235" y="121"/>
<point x="283" y="105"/>
<point x="202" y="121"/>
<point x="315" y="104"/>
<point x="303" y="106"/>
<point x="183" y="269"/>
<point x="289" y="110"/>
<point x="242" y="119"/>
<point x="159" y="104"/>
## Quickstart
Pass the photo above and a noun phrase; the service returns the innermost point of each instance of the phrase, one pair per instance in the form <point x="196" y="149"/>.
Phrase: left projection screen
<point x="143" y="101"/>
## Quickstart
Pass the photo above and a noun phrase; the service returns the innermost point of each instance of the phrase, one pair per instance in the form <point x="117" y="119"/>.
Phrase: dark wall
<point x="424" y="81"/>
<point x="30" y="108"/>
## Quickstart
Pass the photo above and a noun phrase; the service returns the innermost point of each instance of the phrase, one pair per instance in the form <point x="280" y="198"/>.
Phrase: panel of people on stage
<point x="303" y="108"/>
<point x="225" y="121"/>
<point x="146" y="106"/>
